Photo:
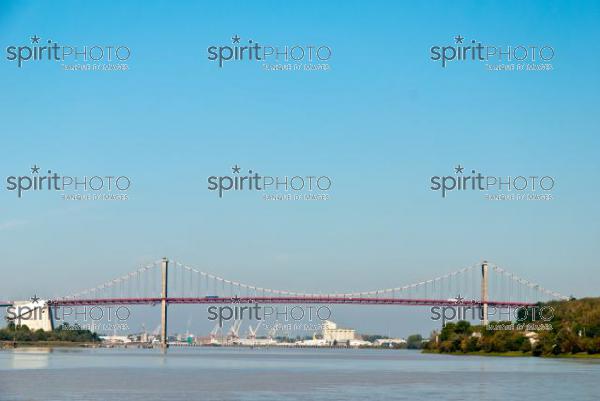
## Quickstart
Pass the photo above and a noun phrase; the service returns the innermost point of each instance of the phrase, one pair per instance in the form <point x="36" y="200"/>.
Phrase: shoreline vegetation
<point x="5" y="345"/>
<point x="46" y="344"/>
<point x="571" y="329"/>
<point x="64" y="335"/>
<point x="514" y="354"/>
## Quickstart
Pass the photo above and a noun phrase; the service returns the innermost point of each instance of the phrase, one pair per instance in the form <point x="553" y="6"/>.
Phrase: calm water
<point x="287" y="374"/>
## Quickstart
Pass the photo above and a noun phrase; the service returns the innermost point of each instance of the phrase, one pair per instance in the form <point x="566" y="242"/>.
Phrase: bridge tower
<point x="163" y="304"/>
<point x="484" y="293"/>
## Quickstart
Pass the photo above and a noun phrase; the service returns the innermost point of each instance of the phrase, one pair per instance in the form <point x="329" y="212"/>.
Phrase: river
<point x="226" y="374"/>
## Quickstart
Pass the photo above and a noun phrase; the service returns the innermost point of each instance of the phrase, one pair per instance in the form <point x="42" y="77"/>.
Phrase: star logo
<point x="35" y="169"/>
<point x="458" y="39"/>
<point x="459" y="169"/>
<point x="235" y="300"/>
<point x="459" y="299"/>
<point x="236" y="169"/>
<point x="235" y="39"/>
<point x="35" y="39"/>
<point x="35" y="299"/>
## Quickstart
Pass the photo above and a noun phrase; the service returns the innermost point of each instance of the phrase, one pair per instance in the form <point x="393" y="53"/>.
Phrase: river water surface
<point x="186" y="374"/>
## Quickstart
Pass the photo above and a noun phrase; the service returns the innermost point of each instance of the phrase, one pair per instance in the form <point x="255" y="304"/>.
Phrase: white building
<point x="35" y="315"/>
<point x="314" y="342"/>
<point x="390" y="342"/>
<point x="116" y="339"/>
<point x="532" y="336"/>
<point x="359" y="343"/>
<point x="332" y="333"/>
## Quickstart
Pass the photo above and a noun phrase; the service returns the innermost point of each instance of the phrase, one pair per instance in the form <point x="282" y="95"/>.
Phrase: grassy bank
<point x="45" y="344"/>
<point x="517" y="354"/>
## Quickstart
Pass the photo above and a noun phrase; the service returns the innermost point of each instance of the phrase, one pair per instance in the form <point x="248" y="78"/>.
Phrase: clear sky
<point x="381" y="122"/>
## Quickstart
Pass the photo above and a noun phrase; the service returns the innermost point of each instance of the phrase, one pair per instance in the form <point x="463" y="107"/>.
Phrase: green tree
<point x="414" y="341"/>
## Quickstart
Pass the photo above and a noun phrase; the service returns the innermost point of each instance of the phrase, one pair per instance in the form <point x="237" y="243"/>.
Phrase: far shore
<point x="516" y="354"/>
<point x="72" y="344"/>
<point x="21" y="344"/>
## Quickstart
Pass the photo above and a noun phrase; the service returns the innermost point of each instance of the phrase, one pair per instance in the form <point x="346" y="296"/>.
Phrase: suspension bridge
<point x="166" y="282"/>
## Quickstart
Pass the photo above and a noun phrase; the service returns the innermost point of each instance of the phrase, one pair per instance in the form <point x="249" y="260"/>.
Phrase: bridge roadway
<point x="285" y="300"/>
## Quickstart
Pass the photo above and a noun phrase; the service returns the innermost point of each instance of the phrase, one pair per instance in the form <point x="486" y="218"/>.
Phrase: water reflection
<point x="30" y="358"/>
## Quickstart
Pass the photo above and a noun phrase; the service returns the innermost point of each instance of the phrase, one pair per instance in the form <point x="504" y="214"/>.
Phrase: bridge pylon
<point x="484" y="293"/>
<point x="163" y="304"/>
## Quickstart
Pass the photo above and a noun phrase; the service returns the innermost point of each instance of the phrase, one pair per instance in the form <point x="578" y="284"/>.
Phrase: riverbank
<point x="515" y="354"/>
<point x="49" y="344"/>
<point x="67" y="344"/>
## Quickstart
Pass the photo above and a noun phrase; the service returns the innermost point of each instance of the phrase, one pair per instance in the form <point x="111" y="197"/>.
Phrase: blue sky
<point x="380" y="123"/>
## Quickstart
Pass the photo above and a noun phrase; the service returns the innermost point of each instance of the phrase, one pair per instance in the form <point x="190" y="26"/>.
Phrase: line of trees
<point x="573" y="328"/>
<point x="64" y="332"/>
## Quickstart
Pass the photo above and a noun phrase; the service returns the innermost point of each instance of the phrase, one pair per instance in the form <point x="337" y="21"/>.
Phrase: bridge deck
<point x="284" y="300"/>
